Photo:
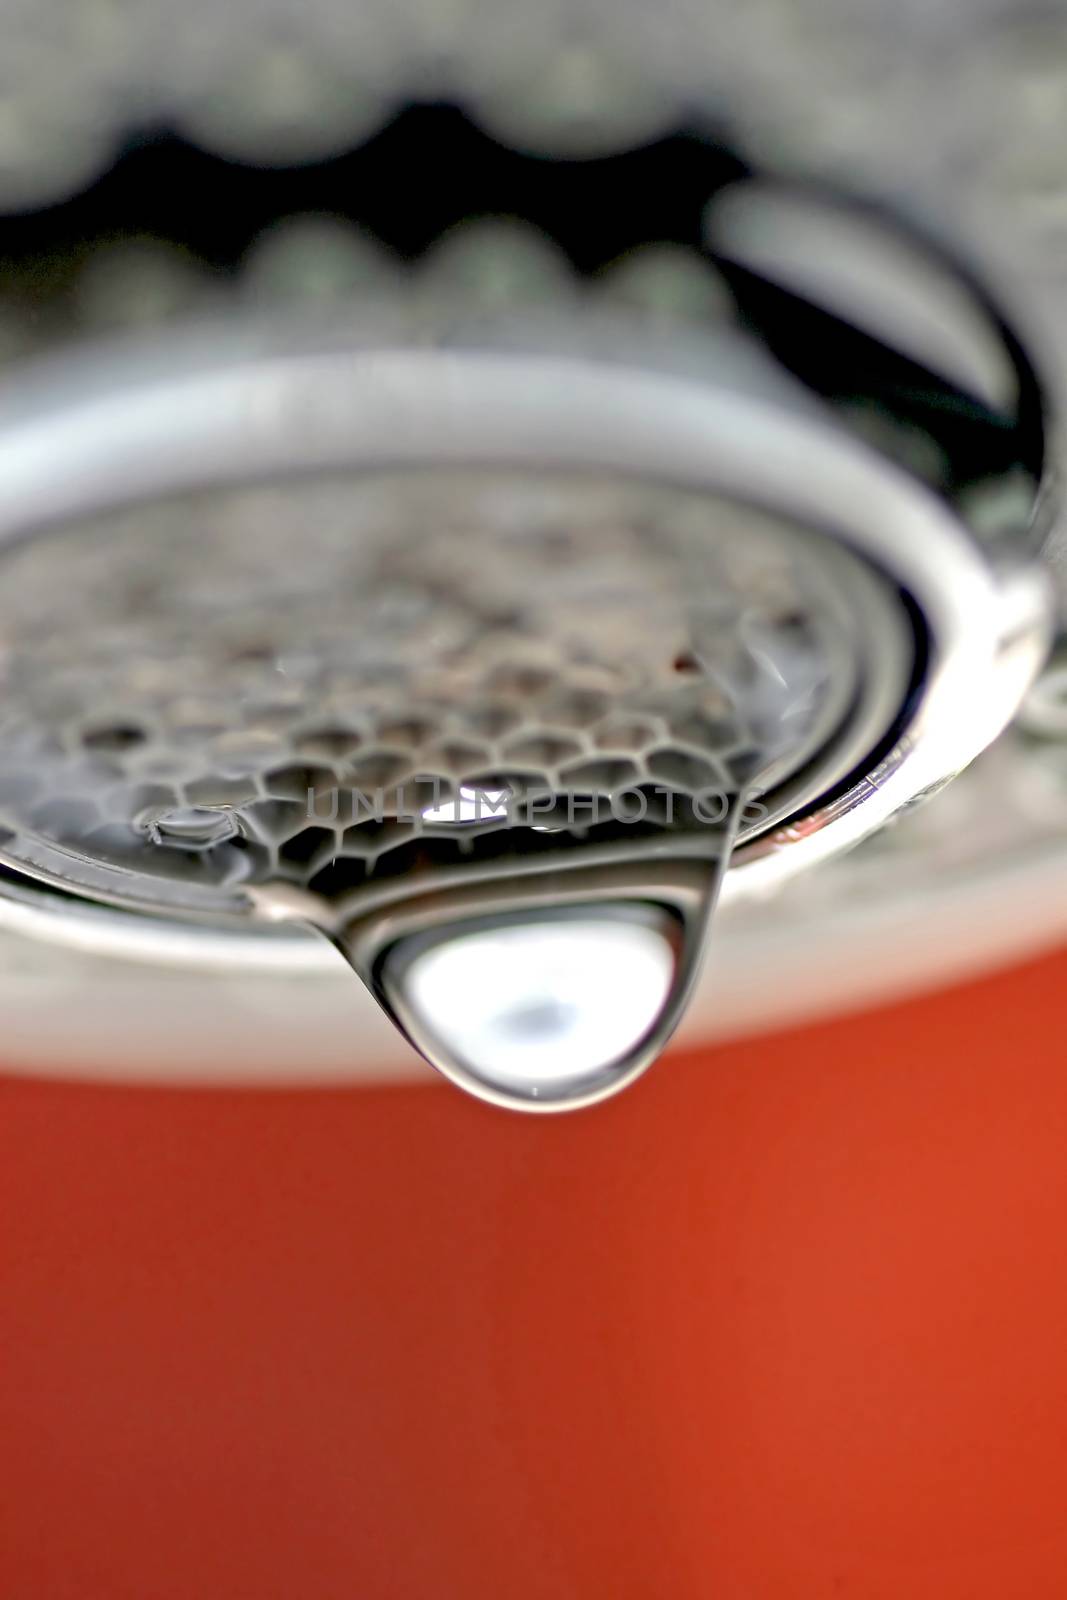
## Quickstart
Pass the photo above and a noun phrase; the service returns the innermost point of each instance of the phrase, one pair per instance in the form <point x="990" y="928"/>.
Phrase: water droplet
<point x="193" y="827"/>
<point x="545" y="1007"/>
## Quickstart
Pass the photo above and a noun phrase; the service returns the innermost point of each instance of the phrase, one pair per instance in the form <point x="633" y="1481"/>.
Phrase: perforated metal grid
<point x="277" y="683"/>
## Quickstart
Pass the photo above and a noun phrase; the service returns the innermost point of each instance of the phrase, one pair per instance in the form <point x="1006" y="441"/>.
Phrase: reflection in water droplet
<point x="542" y="1018"/>
<point x="545" y="1004"/>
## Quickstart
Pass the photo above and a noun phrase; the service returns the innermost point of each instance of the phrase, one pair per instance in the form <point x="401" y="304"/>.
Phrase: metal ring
<point x="127" y="428"/>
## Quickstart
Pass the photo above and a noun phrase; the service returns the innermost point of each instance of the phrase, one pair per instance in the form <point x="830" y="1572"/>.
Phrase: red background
<point x="789" y="1320"/>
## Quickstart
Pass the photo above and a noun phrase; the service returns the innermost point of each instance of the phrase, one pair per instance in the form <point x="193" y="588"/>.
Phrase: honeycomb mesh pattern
<point x="844" y="82"/>
<point x="277" y="683"/>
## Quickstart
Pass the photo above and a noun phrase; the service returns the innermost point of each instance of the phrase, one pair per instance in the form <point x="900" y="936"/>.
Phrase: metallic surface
<point x="144" y="428"/>
<point x="951" y="890"/>
<point x="192" y="708"/>
<point x="184" y="788"/>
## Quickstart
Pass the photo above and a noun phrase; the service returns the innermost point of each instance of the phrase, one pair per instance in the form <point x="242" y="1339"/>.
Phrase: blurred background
<point x="785" y="1321"/>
